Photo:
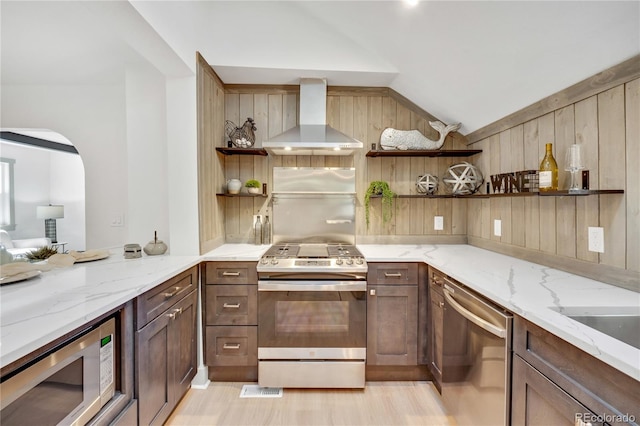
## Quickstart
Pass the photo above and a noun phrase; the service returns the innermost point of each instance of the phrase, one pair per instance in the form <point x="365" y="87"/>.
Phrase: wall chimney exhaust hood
<point x="313" y="136"/>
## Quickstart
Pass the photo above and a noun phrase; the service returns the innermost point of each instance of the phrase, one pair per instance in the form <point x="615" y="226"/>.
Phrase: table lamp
<point x="50" y="213"/>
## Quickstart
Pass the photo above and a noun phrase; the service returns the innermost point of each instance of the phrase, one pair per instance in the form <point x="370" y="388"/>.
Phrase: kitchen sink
<point x="621" y="323"/>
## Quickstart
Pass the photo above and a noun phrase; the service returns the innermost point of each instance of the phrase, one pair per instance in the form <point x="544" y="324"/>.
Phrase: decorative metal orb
<point x="427" y="184"/>
<point x="462" y="179"/>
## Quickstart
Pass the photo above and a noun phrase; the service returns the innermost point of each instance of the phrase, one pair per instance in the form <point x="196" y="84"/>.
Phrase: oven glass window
<point x="312" y="319"/>
<point x="50" y="401"/>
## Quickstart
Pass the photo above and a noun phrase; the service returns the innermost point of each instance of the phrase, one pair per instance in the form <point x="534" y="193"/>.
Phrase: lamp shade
<point x="50" y="212"/>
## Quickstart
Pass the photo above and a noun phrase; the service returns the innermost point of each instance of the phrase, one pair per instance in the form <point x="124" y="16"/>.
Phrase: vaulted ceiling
<point x="473" y="61"/>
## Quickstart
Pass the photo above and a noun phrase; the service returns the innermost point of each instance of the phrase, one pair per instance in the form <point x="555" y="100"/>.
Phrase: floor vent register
<point x="255" y="391"/>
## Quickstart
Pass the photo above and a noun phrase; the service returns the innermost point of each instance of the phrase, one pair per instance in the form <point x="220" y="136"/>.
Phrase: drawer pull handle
<point x="175" y="313"/>
<point x="230" y="274"/>
<point x="441" y="304"/>
<point x="231" y="346"/>
<point x="172" y="293"/>
<point x="392" y="274"/>
<point x="231" y="305"/>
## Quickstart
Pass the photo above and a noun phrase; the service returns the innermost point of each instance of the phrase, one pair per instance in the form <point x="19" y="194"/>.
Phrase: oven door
<point x="311" y="319"/>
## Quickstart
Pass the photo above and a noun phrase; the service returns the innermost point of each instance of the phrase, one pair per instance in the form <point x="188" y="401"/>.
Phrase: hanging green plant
<point x="379" y="187"/>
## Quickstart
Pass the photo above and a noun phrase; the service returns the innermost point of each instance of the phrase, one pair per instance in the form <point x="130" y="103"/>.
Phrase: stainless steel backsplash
<point x="314" y="205"/>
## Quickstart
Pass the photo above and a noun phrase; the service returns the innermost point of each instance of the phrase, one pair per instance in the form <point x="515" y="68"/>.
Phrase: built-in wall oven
<point x="67" y="386"/>
<point x="312" y="284"/>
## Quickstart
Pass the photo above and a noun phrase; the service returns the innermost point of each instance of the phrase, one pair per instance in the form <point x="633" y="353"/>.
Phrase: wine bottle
<point x="266" y="231"/>
<point x="548" y="175"/>
<point x="257" y="230"/>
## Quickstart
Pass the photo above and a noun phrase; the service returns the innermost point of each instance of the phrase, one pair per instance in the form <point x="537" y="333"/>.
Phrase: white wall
<point x="132" y="167"/>
<point x="147" y="155"/>
<point x="183" y="165"/>
<point x="93" y="118"/>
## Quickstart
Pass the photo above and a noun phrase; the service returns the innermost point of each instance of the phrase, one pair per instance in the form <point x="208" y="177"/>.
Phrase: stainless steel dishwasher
<point x="476" y="365"/>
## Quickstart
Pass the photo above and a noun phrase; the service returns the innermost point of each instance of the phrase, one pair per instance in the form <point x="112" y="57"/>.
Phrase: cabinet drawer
<point x="231" y="345"/>
<point x="157" y="300"/>
<point x="231" y="304"/>
<point x="393" y="273"/>
<point x="600" y="387"/>
<point x="231" y="273"/>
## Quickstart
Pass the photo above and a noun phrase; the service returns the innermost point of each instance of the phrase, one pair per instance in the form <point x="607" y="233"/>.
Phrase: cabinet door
<point x="166" y="360"/>
<point x="437" y="318"/>
<point x="152" y="371"/>
<point x="392" y="325"/>
<point x="183" y="350"/>
<point x="537" y="401"/>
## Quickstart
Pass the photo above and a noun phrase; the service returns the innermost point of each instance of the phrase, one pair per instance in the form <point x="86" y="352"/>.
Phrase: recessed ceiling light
<point x="411" y="3"/>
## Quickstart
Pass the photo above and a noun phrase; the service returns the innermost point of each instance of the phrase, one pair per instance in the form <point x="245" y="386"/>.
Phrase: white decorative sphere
<point x="463" y="179"/>
<point x="427" y="184"/>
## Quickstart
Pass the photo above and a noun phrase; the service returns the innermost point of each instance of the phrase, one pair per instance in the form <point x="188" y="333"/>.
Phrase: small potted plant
<point x="253" y="186"/>
<point x="379" y="188"/>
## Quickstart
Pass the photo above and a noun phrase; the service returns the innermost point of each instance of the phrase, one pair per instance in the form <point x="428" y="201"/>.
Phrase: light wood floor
<point x="380" y="403"/>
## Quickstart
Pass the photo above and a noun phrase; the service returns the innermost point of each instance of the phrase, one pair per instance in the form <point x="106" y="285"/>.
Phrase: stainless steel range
<point x="312" y="285"/>
<point x="318" y="260"/>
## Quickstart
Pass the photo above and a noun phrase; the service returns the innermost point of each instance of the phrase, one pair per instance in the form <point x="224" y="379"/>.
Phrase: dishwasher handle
<point x="480" y="322"/>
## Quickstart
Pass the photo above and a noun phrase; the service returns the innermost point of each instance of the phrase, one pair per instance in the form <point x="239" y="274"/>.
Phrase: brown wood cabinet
<point x="436" y="281"/>
<point x="165" y="346"/>
<point x="392" y="314"/>
<point x="230" y="312"/>
<point x="555" y="382"/>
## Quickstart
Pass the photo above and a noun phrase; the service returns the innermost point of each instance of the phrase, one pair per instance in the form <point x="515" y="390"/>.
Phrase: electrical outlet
<point x="596" y="239"/>
<point x="497" y="227"/>
<point x="438" y="223"/>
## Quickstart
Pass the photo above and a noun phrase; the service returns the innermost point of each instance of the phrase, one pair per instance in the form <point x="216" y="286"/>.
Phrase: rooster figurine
<point x="241" y="137"/>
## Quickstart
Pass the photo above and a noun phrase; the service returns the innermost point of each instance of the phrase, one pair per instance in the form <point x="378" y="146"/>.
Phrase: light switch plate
<point x="497" y="227"/>
<point x="117" y="220"/>
<point x="438" y="223"/>
<point x="596" y="239"/>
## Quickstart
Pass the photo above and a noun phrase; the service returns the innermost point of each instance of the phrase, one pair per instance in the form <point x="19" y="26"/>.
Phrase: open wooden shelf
<point x="243" y="151"/>
<point x="563" y="193"/>
<point x="423" y="153"/>
<point x="243" y="195"/>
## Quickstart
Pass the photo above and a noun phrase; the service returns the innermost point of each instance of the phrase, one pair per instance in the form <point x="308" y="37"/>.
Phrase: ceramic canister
<point x="234" y="186"/>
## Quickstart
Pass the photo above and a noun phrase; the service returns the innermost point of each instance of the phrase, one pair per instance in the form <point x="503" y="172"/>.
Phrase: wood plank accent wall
<point x="553" y="230"/>
<point x="210" y="98"/>
<point x="362" y="113"/>
<point x="546" y="230"/>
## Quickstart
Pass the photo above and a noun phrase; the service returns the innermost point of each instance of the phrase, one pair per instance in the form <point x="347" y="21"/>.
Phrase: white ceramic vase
<point x="234" y="186"/>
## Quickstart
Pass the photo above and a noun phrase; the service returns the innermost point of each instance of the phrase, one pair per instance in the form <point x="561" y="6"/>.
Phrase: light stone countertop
<point x="535" y="292"/>
<point x="36" y="312"/>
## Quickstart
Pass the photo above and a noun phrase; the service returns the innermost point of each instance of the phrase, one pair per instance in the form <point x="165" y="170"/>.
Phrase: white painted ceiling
<point x="472" y="62"/>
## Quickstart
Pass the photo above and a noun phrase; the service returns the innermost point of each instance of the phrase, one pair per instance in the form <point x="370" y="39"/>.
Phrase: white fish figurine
<point x="413" y="139"/>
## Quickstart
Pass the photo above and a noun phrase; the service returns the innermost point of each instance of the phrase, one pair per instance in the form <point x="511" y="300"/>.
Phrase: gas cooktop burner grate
<point x="312" y="251"/>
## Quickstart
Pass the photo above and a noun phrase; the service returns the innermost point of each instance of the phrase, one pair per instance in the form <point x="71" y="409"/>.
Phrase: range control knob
<point x="338" y="261"/>
<point x="359" y="261"/>
<point x="349" y="261"/>
<point x="274" y="261"/>
<point x="264" y="261"/>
